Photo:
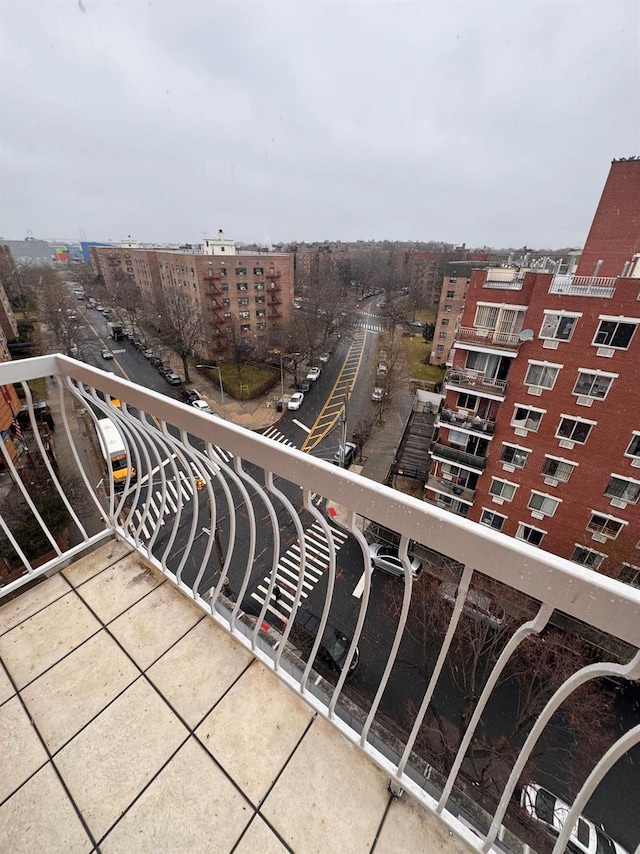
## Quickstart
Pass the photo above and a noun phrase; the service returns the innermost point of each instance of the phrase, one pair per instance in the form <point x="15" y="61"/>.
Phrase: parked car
<point x="155" y="361"/>
<point x="99" y="307"/>
<point x="190" y="394"/>
<point x="305" y="386"/>
<point x="324" y="357"/>
<point x="334" y="646"/>
<point x="548" y="810"/>
<point x="295" y="402"/>
<point x="477" y="605"/>
<point x="383" y="369"/>
<point x="377" y="396"/>
<point x="202" y="406"/>
<point x="164" y="369"/>
<point x="107" y="354"/>
<point x="314" y="373"/>
<point x="173" y="379"/>
<point x="348" y="457"/>
<point x="386" y="557"/>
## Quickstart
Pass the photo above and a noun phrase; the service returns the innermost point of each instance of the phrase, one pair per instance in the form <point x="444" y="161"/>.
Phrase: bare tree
<point x="179" y="323"/>
<point x="60" y="314"/>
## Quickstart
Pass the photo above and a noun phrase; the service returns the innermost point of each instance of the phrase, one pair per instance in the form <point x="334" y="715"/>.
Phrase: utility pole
<point x="222" y="392"/>
<point x="343" y="431"/>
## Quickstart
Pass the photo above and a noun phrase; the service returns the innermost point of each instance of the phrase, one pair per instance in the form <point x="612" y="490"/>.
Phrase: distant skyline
<point x="485" y="123"/>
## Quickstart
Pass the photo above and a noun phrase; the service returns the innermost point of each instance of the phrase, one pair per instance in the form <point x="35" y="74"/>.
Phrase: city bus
<point x="114" y="449"/>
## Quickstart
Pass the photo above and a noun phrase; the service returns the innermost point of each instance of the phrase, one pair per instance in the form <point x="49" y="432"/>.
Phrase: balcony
<point x="440" y="484"/>
<point x="488" y="337"/>
<point x="504" y="279"/>
<point x="584" y="286"/>
<point x="453" y="455"/>
<point x="476" y="381"/>
<point x="154" y="692"/>
<point x="466" y="421"/>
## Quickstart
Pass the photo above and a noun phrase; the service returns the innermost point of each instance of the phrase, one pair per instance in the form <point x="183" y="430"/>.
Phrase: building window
<point x="243" y="301"/>
<point x="245" y="315"/>
<point x="259" y="286"/>
<point x="245" y="327"/>
<point x="492" y="520"/>
<point x="630" y="574"/>
<point x="558" y="327"/>
<point x="451" y="294"/>
<point x="607" y="526"/>
<point x="445" y="321"/>
<point x="467" y="401"/>
<point x="447" y="308"/>
<point x="258" y="271"/>
<point x="534" y="536"/>
<point x="224" y="287"/>
<point x="227" y="315"/>
<point x="453" y="280"/>
<point x="541" y="503"/>
<point x="615" y="333"/>
<point x="634" y="446"/>
<point x="487" y="316"/>
<point x="574" y="429"/>
<point x="593" y="384"/>
<point x="226" y="303"/>
<point x="587" y="557"/>
<point x="260" y="300"/>
<point x="223" y="271"/>
<point x="261" y="325"/>
<point x="560" y="470"/>
<point x="514" y="456"/>
<point x="241" y="271"/>
<point x="242" y="286"/>
<point x="623" y="489"/>
<point x="542" y="374"/>
<point x="440" y="348"/>
<point x="527" y="418"/>
<point x="261" y="313"/>
<point x="502" y="489"/>
<point x="442" y="335"/>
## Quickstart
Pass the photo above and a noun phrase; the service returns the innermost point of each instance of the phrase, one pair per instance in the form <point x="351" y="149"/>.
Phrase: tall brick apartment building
<point x="539" y="437"/>
<point x="240" y="295"/>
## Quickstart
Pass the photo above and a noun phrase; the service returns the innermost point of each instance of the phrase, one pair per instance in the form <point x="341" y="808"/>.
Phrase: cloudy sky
<point x="485" y="122"/>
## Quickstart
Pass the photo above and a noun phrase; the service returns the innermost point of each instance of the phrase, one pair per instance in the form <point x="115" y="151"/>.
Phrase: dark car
<point x="305" y="386"/>
<point x="189" y="395"/>
<point x="164" y="369"/>
<point x="334" y="647"/>
<point x="172" y="378"/>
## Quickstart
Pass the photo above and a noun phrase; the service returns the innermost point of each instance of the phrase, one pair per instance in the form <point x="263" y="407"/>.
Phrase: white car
<point x="377" y="395"/>
<point x="314" y="373"/>
<point x="107" y="354"/>
<point x="202" y="406"/>
<point x="324" y="357"/>
<point x="477" y="605"/>
<point x="295" y="401"/>
<point x="386" y="558"/>
<point x="545" y="808"/>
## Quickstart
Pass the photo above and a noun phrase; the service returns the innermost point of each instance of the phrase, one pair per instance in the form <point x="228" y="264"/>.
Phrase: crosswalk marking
<point x="277" y="436"/>
<point x="288" y="570"/>
<point x="151" y="513"/>
<point x="370" y="327"/>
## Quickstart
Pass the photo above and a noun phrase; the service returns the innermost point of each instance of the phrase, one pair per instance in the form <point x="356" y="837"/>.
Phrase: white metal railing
<point x="480" y="335"/>
<point x="475" y="379"/>
<point x="451" y="487"/>
<point x="505" y="279"/>
<point x="584" y="286"/>
<point x="230" y="497"/>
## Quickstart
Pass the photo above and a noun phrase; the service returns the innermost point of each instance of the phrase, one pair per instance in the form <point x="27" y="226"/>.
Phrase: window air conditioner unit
<point x="551" y="481"/>
<point x="497" y="500"/>
<point x="619" y="503"/>
<point x="520" y="431"/>
<point x="636" y="463"/>
<point x="549" y="344"/>
<point x="605" y="351"/>
<point x="507" y="467"/>
<point x="567" y="443"/>
<point x="537" y="515"/>
<point x="534" y="389"/>
<point x="599" y="538"/>
<point x="584" y="401"/>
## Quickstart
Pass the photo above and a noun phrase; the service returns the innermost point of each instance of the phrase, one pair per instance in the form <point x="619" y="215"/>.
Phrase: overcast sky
<point x="485" y="122"/>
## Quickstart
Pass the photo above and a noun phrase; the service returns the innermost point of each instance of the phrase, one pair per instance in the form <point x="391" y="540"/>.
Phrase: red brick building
<point x="540" y="434"/>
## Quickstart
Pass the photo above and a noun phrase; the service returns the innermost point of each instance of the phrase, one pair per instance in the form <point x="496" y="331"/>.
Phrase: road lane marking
<point x="359" y="588"/>
<point x="303" y="426"/>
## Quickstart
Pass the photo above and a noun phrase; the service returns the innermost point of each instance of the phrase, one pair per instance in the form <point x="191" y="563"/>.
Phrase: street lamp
<point x="217" y="367"/>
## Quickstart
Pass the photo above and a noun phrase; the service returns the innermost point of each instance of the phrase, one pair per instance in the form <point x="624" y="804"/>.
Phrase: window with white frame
<point x="542" y="374"/>
<point x="514" y="455"/>
<point x="630" y="574"/>
<point x="492" y="519"/>
<point x="527" y="418"/>
<point x="558" y="326"/>
<point x="529" y="534"/>
<point x="245" y="315"/>
<point x="502" y="489"/>
<point x="615" y="333"/>
<point x="624" y="489"/>
<point x="557" y="468"/>
<point x="574" y="429"/>
<point x="608" y="526"/>
<point x="587" y="557"/>
<point x="539" y="502"/>
<point x="593" y="384"/>
<point x="487" y="316"/>
<point x="634" y="446"/>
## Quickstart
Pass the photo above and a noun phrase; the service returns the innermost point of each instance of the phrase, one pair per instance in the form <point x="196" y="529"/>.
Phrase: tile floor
<point x="130" y="722"/>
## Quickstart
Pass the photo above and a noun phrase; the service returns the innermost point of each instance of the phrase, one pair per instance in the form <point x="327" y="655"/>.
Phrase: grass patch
<point x="417" y="352"/>
<point x="248" y="381"/>
<point x="38" y="389"/>
<point x="426" y="315"/>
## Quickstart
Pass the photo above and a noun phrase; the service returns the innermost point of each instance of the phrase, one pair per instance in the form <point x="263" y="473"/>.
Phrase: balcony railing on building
<point x="449" y="454"/>
<point x="441" y="484"/>
<point x="476" y="381"/>
<point x="584" y="286"/>
<point x="466" y="421"/>
<point x="488" y="337"/>
<point x="240" y="540"/>
<point x="504" y="279"/>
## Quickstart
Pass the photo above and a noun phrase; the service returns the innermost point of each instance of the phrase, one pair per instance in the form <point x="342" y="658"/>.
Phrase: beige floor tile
<point x="21" y="750"/>
<point x="254" y="729"/>
<point x="94" y="562"/>
<point x="67" y="696"/>
<point x="107" y="765"/>
<point x="148" y="629"/>
<point x="40" y="817"/>
<point x="329" y="791"/>
<point x="119" y="587"/>
<point x="409" y="828"/>
<point x="197" y="671"/>
<point x="260" y="837"/>
<point x="191" y="806"/>
<point x="6" y="688"/>
<point x="32" y="601"/>
<point x="42" y="640"/>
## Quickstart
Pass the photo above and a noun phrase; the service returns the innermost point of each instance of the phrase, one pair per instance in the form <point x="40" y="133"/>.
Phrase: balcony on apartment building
<point x="584" y="286"/>
<point x="465" y="421"/>
<point x="450" y="487"/>
<point x="477" y="381"/>
<point x="508" y="279"/>
<point x="448" y="454"/>
<point x="178" y="670"/>
<point x="489" y="337"/>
